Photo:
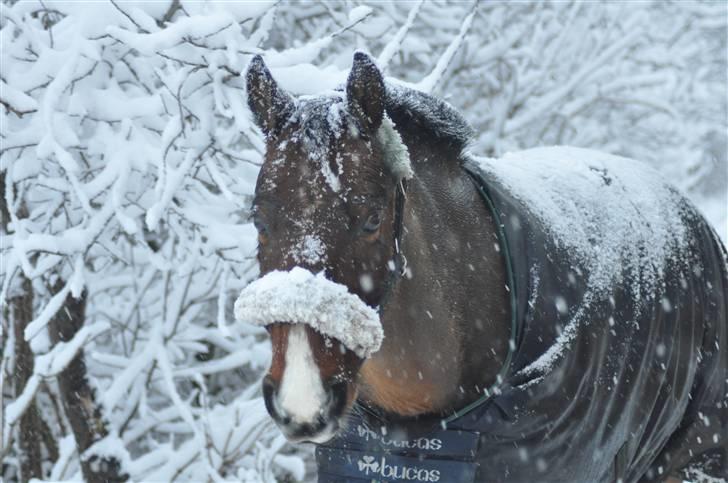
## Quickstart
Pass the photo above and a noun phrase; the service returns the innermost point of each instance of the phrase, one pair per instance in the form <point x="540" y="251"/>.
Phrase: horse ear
<point x="365" y="92"/>
<point x="271" y="106"/>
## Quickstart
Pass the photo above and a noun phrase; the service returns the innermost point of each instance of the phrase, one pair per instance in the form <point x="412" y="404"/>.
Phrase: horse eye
<point x="373" y="222"/>
<point x="259" y="225"/>
<point x="262" y="229"/>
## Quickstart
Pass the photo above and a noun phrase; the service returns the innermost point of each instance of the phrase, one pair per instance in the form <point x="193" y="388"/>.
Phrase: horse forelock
<point x="322" y="123"/>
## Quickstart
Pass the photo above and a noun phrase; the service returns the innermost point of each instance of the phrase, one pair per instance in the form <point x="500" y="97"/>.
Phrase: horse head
<point x="325" y="202"/>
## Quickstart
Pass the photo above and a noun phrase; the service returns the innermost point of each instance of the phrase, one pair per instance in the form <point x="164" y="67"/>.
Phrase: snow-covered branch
<point x="128" y="160"/>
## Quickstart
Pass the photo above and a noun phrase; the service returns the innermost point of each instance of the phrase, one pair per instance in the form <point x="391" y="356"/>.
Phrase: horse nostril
<point x="321" y="421"/>
<point x="268" y="380"/>
<point x="285" y="420"/>
<point x="313" y="428"/>
<point x="269" y="386"/>
<point x="337" y="397"/>
<point x="269" y="394"/>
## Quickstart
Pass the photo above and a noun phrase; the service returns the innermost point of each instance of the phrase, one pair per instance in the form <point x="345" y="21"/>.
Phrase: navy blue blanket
<point x="619" y="368"/>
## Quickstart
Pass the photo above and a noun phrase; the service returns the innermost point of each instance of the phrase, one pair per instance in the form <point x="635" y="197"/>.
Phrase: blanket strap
<point x="497" y="386"/>
<point x="398" y="268"/>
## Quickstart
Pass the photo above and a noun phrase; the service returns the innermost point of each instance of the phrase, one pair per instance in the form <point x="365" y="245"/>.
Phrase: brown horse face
<point x="324" y="201"/>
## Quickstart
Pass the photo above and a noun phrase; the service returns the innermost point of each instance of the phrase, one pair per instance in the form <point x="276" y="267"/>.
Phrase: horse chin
<point x="327" y="427"/>
<point x="328" y="433"/>
<point x="332" y="428"/>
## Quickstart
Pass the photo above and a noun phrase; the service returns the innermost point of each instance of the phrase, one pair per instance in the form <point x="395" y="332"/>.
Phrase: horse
<point x="567" y="317"/>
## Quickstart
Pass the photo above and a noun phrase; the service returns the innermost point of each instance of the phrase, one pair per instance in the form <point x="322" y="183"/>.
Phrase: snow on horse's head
<point x="324" y="202"/>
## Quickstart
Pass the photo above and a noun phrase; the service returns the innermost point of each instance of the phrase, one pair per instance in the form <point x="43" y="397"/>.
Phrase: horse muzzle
<point x="321" y="333"/>
<point x="301" y="417"/>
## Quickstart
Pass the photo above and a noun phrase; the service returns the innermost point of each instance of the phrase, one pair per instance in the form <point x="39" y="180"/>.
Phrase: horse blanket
<point x="618" y="368"/>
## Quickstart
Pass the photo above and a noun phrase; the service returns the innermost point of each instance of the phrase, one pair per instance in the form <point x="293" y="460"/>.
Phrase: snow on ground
<point x="128" y="161"/>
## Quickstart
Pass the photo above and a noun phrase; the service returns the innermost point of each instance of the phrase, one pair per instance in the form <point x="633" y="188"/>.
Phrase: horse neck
<point x="446" y="327"/>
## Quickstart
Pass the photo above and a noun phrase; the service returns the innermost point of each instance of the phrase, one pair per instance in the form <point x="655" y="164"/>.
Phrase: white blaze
<point x="301" y="395"/>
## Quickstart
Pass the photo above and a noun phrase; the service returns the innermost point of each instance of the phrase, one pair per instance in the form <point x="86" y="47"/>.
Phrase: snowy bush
<point x="129" y="158"/>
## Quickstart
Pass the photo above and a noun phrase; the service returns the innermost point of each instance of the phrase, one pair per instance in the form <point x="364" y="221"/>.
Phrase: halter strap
<point x="398" y="264"/>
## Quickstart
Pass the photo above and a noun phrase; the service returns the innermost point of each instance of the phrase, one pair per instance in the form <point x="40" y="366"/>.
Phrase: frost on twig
<point x="395" y="43"/>
<point x="428" y="83"/>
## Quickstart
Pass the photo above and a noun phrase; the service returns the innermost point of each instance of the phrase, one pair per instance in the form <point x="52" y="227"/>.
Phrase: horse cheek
<point x="335" y="362"/>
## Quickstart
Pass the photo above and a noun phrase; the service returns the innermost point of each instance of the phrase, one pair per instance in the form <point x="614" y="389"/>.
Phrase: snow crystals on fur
<point x="578" y="196"/>
<point x="299" y="296"/>
<point x="395" y="152"/>
<point x="323" y="118"/>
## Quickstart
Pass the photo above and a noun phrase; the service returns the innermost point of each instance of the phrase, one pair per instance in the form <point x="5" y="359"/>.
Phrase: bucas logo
<point x="428" y="444"/>
<point x="370" y="466"/>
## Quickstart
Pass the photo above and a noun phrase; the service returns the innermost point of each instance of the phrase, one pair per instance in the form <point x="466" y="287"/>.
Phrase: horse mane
<point x="429" y="116"/>
<point x="413" y="112"/>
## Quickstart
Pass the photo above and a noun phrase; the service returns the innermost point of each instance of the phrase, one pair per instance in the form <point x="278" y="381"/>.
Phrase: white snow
<point x="17" y="98"/>
<point x="394" y="45"/>
<point x="108" y="109"/>
<point x="331" y="178"/>
<point x="578" y="196"/>
<point x="122" y="382"/>
<point x="48" y="365"/>
<point x="198" y="26"/>
<point x="311" y="250"/>
<point x="428" y="83"/>
<point x="66" y="450"/>
<point x="357" y="14"/>
<point x="396" y="155"/>
<point x="54" y="305"/>
<point x="107" y="448"/>
<point x="299" y="296"/>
